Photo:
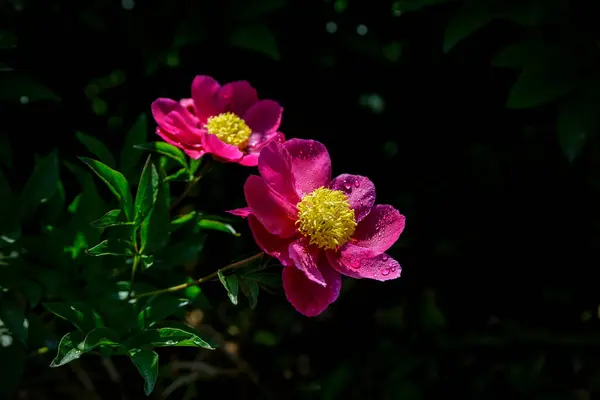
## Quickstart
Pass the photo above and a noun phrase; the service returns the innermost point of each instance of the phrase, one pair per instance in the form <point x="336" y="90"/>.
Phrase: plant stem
<point x="203" y="171"/>
<point x="136" y="261"/>
<point x="201" y="280"/>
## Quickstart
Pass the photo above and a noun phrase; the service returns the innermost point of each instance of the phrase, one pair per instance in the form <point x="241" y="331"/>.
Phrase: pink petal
<point x="264" y="116"/>
<point x="240" y="212"/>
<point x="188" y="104"/>
<point x="258" y="141"/>
<point x="249" y="160"/>
<point x="213" y="145"/>
<point x="204" y="93"/>
<point x="171" y="115"/>
<point x="275" y="166"/>
<point x="360" y="191"/>
<point x="380" y="229"/>
<point x="311" y="164"/>
<point x="194" y="151"/>
<point x="308" y="297"/>
<point x="236" y="97"/>
<point x="272" y="245"/>
<point x="305" y="259"/>
<point x="272" y="210"/>
<point x="358" y="262"/>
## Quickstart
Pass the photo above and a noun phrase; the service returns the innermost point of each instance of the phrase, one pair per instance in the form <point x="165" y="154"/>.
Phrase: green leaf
<point x="158" y="309"/>
<point x="101" y="336"/>
<point x="32" y="290"/>
<point x="67" y="349"/>
<point x="230" y="283"/>
<point x="538" y="85"/>
<point x="267" y="279"/>
<point x="577" y="121"/>
<point x="136" y="135"/>
<point x="97" y="148"/>
<point x="179" y="175"/>
<point x="170" y="336"/>
<point x="208" y="224"/>
<point x="182" y="220"/>
<point x="147" y="260"/>
<point x="250" y="290"/>
<point x="465" y="22"/>
<point x="21" y="87"/>
<point x="80" y="314"/>
<point x="115" y="181"/>
<point x="109" y="219"/>
<point x="112" y="247"/>
<point x="54" y="207"/>
<point x="154" y="232"/>
<point x="256" y="37"/>
<point x="13" y="317"/>
<point x="252" y="9"/>
<point x="196" y="297"/>
<point x="146" y="362"/>
<point x="166" y="150"/>
<point x="41" y="185"/>
<point x="527" y="52"/>
<point x="147" y="192"/>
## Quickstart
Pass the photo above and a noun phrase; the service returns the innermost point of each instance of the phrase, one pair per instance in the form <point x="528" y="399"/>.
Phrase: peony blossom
<point x="228" y="121"/>
<point x="317" y="227"/>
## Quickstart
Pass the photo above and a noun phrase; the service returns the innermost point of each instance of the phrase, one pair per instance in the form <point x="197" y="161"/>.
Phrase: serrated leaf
<point x="111" y="218"/>
<point x="256" y="37"/>
<point x="231" y="284"/>
<point x="208" y="224"/>
<point x="166" y="150"/>
<point x="577" y="121"/>
<point x="538" y="85"/>
<point x="159" y="308"/>
<point x="97" y="148"/>
<point x="169" y="336"/>
<point x="147" y="192"/>
<point x="67" y="349"/>
<point x="80" y="314"/>
<point x="136" y="135"/>
<point x="115" y="181"/>
<point x="41" y="185"/>
<point x="250" y="290"/>
<point x="465" y="22"/>
<point x="154" y="232"/>
<point x="112" y="247"/>
<point x="146" y="362"/>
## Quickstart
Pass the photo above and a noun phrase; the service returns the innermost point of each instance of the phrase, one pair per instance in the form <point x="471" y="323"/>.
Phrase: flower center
<point x="325" y="217"/>
<point x="230" y="128"/>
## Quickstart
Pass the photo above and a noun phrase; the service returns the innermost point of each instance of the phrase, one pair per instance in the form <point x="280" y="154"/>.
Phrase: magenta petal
<point x="272" y="210"/>
<point x="360" y="191"/>
<point x="272" y="245"/>
<point x="358" y="262"/>
<point x="380" y="229"/>
<point x="249" y="160"/>
<point x="308" y="297"/>
<point x="305" y="258"/>
<point x="311" y="164"/>
<point x="275" y="166"/>
<point x="264" y="116"/>
<point x="204" y="93"/>
<point x="236" y="97"/>
<point x="213" y="145"/>
<point x="240" y="212"/>
<point x="168" y="137"/>
<point x="161" y="109"/>
<point x="193" y="153"/>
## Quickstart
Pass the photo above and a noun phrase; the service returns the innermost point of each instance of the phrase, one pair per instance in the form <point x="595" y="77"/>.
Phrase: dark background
<point x="498" y="297"/>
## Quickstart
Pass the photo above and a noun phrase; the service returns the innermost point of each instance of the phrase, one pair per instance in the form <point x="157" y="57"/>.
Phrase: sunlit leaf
<point x="146" y="362"/>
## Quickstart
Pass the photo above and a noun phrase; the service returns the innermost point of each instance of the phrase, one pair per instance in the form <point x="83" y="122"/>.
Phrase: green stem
<point x="203" y="171"/>
<point x="201" y="280"/>
<point x="136" y="261"/>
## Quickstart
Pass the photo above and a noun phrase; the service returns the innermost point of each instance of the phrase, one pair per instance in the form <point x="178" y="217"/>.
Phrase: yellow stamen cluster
<point x="230" y="128"/>
<point x="325" y="218"/>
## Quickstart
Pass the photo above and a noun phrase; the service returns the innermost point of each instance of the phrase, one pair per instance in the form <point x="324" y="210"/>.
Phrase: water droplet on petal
<point x="385" y="271"/>
<point x="385" y="257"/>
<point x="347" y="185"/>
<point x="357" y="183"/>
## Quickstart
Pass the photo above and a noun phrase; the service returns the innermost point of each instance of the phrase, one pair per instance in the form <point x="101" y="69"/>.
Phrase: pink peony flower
<point x="317" y="227"/>
<point x="228" y="121"/>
